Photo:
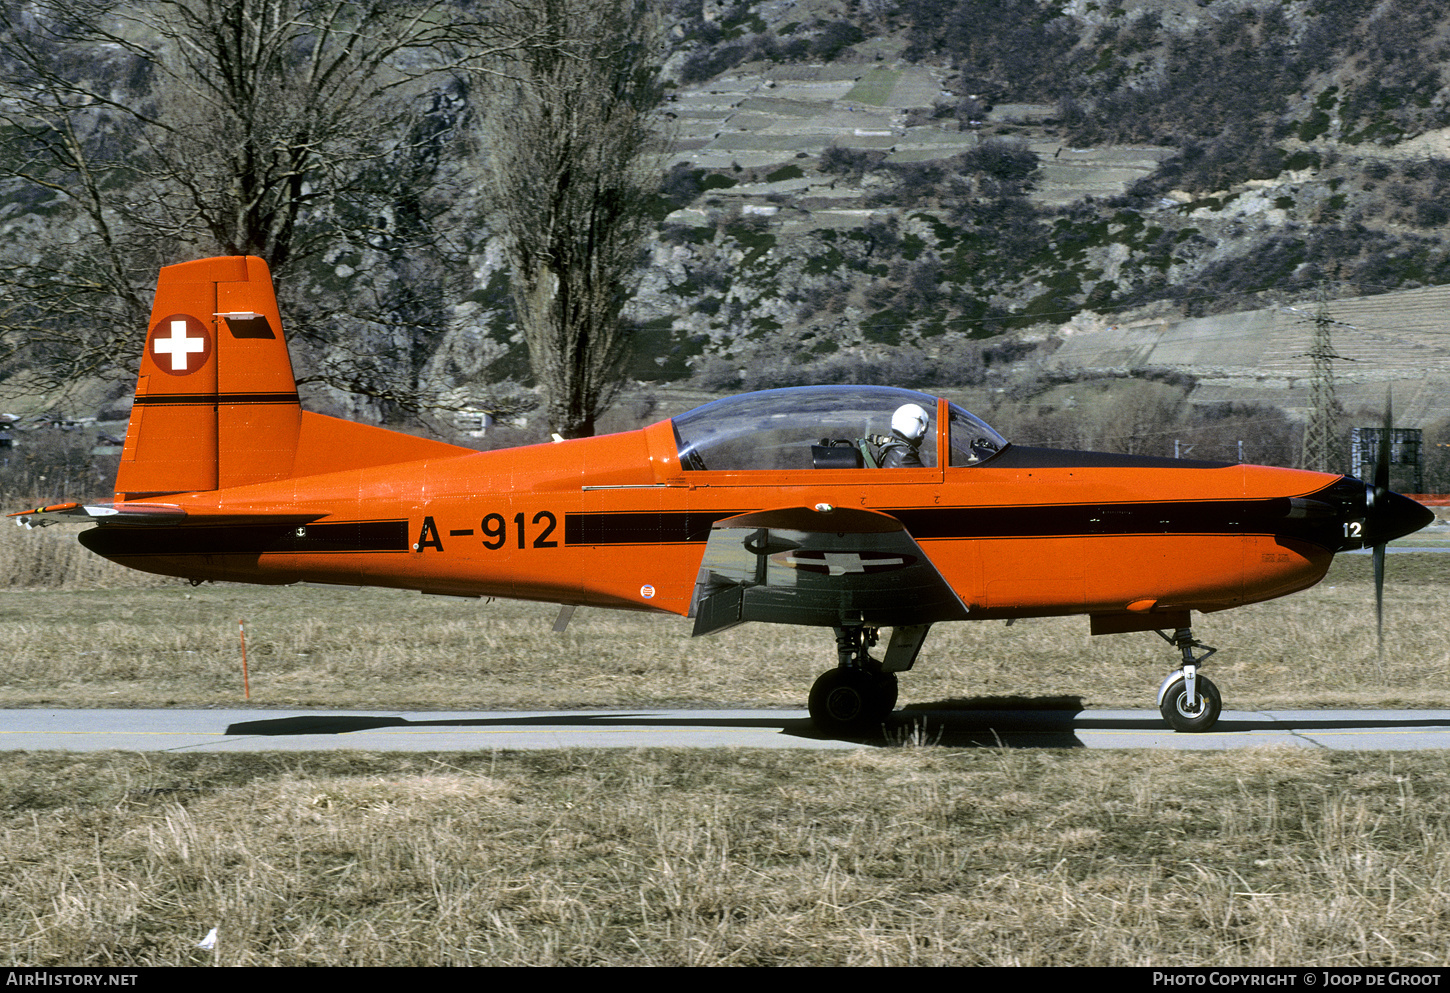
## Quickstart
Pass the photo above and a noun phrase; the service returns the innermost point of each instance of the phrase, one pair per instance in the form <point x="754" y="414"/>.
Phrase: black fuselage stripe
<point x="1054" y="521"/>
<point x="212" y="399"/>
<point x="1231" y="517"/>
<point x="248" y="539"/>
<point x="662" y="527"/>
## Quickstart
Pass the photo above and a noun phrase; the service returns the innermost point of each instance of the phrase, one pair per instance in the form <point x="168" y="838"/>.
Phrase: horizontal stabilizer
<point x="88" y="513"/>
<point x="157" y="514"/>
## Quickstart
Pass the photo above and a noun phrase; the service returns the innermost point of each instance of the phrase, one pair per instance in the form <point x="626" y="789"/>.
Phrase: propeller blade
<point x="1379" y="597"/>
<point x="1382" y="459"/>
<point x="1379" y="511"/>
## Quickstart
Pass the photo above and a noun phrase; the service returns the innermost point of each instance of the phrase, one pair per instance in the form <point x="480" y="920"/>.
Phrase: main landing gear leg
<point x="855" y="697"/>
<point x="1188" y="701"/>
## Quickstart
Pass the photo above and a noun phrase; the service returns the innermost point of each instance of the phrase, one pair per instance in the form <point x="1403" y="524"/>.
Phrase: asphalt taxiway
<point x="42" y="729"/>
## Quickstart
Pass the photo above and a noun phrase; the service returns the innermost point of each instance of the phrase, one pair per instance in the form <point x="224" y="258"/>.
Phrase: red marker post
<point x="246" y="685"/>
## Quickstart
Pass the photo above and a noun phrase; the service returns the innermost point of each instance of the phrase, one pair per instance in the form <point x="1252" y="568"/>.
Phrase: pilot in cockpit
<point x="908" y="428"/>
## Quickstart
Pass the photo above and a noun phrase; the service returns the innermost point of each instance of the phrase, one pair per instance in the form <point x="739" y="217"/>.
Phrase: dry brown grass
<point x="161" y="642"/>
<point x="914" y="856"/>
<point x="51" y="558"/>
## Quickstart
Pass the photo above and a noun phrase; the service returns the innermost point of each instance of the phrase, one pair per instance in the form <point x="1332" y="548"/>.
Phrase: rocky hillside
<point x="939" y="193"/>
<point x="960" y="171"/>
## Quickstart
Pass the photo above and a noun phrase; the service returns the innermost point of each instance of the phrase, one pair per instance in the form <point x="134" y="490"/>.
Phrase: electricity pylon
<point x="1319" y="434"/>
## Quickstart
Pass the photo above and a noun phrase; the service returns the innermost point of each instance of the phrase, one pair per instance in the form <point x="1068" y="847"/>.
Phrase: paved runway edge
<point x="321" y="730"/>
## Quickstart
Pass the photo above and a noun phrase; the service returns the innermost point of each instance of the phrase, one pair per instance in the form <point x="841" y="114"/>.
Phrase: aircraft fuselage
<point x="614" y="521"/>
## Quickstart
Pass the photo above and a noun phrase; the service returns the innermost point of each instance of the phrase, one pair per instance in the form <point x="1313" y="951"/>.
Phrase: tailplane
<point x="216" y="401"/>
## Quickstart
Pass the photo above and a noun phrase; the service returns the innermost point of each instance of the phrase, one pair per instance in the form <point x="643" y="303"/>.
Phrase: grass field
<point x="915" y="854"/>
<point x="908" y="856"/>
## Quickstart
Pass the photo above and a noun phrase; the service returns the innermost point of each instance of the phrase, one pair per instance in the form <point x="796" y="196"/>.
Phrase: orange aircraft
<point x="854" y="508"/>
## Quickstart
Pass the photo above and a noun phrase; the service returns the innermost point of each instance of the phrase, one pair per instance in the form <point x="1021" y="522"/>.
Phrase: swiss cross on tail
<point x="179" y="344"/>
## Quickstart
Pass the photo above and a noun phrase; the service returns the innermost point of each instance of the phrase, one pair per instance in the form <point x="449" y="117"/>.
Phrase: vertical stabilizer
<point x="216" y="401"/>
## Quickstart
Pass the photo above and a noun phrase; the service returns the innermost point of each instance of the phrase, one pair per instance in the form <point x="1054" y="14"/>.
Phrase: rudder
<point x="216" y="401"/>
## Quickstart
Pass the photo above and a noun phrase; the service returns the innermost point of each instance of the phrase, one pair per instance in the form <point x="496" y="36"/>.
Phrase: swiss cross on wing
<point x="179" y="344"/>
<point x="843" y="563"/>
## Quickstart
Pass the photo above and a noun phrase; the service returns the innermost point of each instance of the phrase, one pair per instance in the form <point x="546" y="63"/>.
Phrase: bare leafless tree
<point x="139" y="134"/>
<point x="573" y="160"/>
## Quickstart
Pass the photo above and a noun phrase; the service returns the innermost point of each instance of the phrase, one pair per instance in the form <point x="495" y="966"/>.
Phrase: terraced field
<point x="1393" y="340"/>
<point x="767" y="114"/>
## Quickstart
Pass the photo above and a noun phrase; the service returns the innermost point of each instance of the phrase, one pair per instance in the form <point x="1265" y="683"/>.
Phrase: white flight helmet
<point x="910" y="421"/>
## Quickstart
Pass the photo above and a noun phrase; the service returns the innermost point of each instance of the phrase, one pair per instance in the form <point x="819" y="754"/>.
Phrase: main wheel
<point x="851" y="701"/>
<point x="1183" y="714"/>
<point x="886" y="692"/>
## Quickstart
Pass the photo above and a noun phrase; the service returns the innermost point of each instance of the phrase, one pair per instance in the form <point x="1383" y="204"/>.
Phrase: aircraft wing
<point x="819" y="566"/>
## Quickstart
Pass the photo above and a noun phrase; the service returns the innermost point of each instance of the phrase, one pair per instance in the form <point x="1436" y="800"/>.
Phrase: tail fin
<point x="216" y="400"/>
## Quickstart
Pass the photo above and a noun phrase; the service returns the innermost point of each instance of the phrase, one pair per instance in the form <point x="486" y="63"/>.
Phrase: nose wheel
<point x="1189" y="702"/>
<point x="1190" y="713"/>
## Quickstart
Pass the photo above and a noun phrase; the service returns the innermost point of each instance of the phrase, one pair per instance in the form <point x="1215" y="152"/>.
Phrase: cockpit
<point x="823" y="427"/>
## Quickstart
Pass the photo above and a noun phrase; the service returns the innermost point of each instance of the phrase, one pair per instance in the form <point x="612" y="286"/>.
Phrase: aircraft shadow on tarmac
<point x="1017" y="722"/>
<point x="934" y="727"/>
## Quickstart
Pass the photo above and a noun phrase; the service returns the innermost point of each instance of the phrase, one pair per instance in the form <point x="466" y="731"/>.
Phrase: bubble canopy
<point x="786" y="429"/>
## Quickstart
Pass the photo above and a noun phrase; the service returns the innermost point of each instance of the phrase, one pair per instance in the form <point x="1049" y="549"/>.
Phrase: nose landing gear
<point x="1189" y="702"/>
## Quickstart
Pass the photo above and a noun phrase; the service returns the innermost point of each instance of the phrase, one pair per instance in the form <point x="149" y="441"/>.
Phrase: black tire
<point x="886" y="693"/>
<point x="1190" y="716"/>
<point x="851" y="701"/>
